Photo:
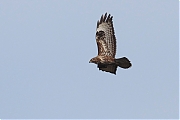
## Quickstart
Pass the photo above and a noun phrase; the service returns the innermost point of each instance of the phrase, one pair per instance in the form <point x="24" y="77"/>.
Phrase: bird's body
<point x="106" y="42"/>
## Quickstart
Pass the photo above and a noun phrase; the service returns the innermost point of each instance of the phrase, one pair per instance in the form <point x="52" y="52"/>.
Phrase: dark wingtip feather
<point x="97" y="23"/>
<point x="105" y="17"/>
<point x="108" y="17"/>
<point x="111" y="18"/>
<point x="101" y="19"/>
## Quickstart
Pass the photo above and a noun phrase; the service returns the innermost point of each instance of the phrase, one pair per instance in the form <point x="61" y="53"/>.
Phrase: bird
<point x="106" y="44"/>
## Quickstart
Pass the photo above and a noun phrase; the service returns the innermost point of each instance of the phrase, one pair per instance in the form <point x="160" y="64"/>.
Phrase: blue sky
<point x="45" y="48"/>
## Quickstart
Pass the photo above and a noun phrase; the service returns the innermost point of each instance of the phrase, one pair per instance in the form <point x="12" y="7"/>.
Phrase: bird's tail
<point x="123" y="62"/>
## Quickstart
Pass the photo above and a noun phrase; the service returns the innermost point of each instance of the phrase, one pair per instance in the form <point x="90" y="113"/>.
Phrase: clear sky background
<point x="46" y="45"/>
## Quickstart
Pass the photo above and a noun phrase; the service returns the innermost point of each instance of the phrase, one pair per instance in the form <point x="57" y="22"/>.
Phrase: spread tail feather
<point x="123" y="62"/>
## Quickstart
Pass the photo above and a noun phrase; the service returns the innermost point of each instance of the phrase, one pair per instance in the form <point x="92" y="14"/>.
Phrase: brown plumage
<point x="106" y="43"/>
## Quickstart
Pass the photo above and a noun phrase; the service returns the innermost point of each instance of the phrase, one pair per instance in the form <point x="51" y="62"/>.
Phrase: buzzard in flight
<point x="106" y="43"/>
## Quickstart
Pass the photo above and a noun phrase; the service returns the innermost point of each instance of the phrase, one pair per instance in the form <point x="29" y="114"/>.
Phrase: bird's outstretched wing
<point x="105" y="36"/>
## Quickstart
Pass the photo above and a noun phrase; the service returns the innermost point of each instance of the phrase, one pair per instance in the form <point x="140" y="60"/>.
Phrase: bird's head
<point x="93" y="60"/>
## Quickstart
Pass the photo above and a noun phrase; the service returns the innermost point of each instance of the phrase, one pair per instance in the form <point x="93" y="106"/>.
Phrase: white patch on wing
<point x="102" y="27"/>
